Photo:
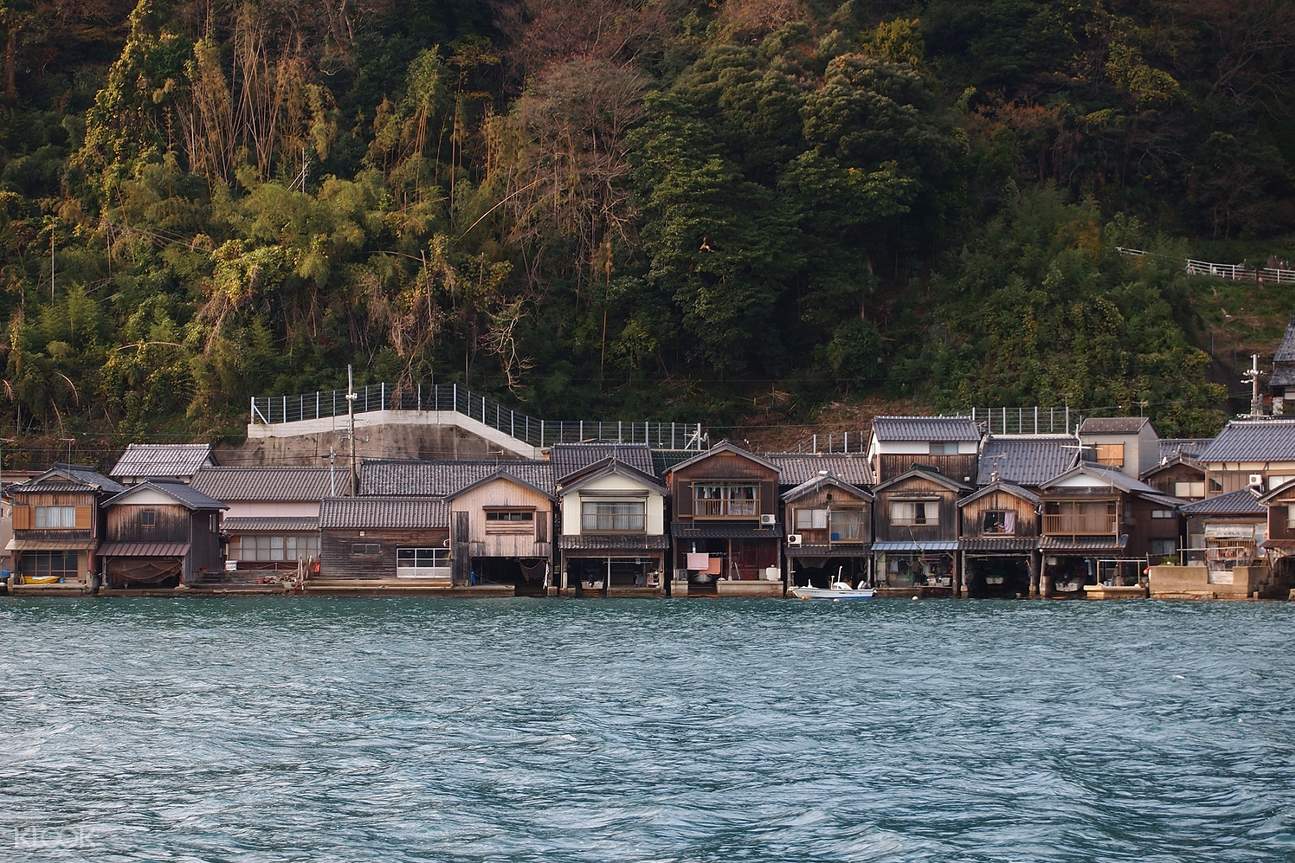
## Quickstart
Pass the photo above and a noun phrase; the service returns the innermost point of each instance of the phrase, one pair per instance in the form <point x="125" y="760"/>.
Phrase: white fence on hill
<point x="1231" y="272"/>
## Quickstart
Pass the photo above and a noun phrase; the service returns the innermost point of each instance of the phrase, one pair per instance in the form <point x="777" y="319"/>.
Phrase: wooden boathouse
<point x="160" y="535"/>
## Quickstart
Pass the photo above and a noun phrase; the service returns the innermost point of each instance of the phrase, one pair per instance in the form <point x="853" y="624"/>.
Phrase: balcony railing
<point x="1081" y="524"/>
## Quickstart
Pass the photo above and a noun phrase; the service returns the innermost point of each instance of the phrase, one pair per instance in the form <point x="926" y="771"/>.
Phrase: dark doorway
<point x="999" y="577"/>
<point x="525" y="576"/>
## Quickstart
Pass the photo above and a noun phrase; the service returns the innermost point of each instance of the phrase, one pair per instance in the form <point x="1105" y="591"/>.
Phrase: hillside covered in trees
<point x="637" y="208"/>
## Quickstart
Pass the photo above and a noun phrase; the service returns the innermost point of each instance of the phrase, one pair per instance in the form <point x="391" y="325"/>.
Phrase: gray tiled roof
<point x="1283" y="374"/>
<point x="1112" y="477"/>
<point x="1286" y="350"/>
<point x="267" y="483"/>
<point x="161" y="459"/>
<point x="185" y="495"/>
<point x="814" y="483"/>
<point x="722" y="530"/>
<point x="1009" y="488"/>
<point x="646" y="542"/>
<point x="925" y="429"/>
<point x="1083" y="544"/>
<point x="1027" y="461"/>
<point x="999" y="543"/>
<point x="69" y="477"/>
<point x="1113" y="425"/>
<point x="569" y="458"/>
<point x="1252" y="440"/>
<point x="444" y="478"/>
<point x="1188" y="447"/>
<point x="797" y="468"/>
<point x="391" y="512"/>
<point x="1241" y="502"/>
<point x="270" y="524"/>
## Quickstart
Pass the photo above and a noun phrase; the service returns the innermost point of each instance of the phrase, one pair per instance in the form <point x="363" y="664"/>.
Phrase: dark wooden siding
<point x="723" y="467"/>
<point x="1278" y="516"/>
<point x="1165" y="480"/>
<point x="959" y="467"/>
<point x="336" y="560"/>
<point x="916" y="488"/>
<point x="126" y="523"/>
<point x="1142" y="528"/>
<point x="841" y="499"/>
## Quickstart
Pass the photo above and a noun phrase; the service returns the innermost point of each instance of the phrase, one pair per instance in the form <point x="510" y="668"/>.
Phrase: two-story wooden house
<point x="1101" y="529"/>
<point x="57" y="526"/>
<point x="829" y="532"/>
<point x="915" y="517"/>
<point x="1225" y="531"/>
<point x="948" y="445"/>
<point x="726" y="526"/>
<point x="160" y="535"/>
<point x="1248" y="453"/>
<point x="998" y="540"/>
<point x="613" y="538"/>
<point x="272" y="521"/>
<point x="501" y="532"/>
<point x="1279" y="544"/>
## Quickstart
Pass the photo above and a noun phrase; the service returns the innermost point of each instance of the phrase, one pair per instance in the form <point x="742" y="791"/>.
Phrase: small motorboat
<point x="838" y="592"/>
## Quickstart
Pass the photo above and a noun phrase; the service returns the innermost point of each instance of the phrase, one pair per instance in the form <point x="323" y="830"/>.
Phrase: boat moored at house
<point x="916" y="533"/>
<point x="160" y="535"/>
<point x="829" y="533"/>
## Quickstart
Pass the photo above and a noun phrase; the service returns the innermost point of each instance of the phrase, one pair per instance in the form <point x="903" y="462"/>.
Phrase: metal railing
<point x="1081" y="523"/>
<point x="1027" y="420"/>
<point x="1231" y="272"/>
<point x="329" y="404"/>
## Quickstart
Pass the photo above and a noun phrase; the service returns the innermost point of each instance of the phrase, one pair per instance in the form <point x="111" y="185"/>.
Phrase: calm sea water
<point x="412" y="729"/>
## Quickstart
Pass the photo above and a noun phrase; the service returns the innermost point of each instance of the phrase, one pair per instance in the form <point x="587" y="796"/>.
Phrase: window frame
<point x="926" y="519"/>
<point x="65" y="514"/>
<point x="634" y="519"/>
<point x="1107" y="461"/>
<point x="362" y="549"/>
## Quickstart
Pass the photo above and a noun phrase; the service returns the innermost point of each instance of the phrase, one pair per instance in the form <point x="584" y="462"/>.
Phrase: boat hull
<point x="822" y="594"/>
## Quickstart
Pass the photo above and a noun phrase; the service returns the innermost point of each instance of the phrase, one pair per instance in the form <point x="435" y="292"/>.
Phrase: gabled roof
<point x="567" y="458"/>
<point x="389" y="512"/>
<point x="1005" y="487"/>
<point x="161" y="459"/>
<point x="795" y="468"/>
<point x="185" y="495"/>
<point x="1252" y="440"/>
<point x="499" y="475"/>
<point x="68" y="477"/>
<point x="1113" y="478"/>
<point x="722" y="447"/>
<point x="394" y="477"/>
<point x="814" y="484"/>
<point x="1176" y="461"/>
<point x="267" y="483"/>
<point x="1272" y="494"/>
<point x="915" y="428"/>
<point x="606" y="467"/>
<point x="927" y="473"/>
<point x="1027" y="460"/>
<point x="1113" y="425"/>
<point x="1243" y="502"/>
<point x="1286" y="350"/>
<point x="1172" y="447"/>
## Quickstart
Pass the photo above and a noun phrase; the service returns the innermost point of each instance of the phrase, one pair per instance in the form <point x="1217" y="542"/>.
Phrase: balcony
<point x="1094" y="523"/>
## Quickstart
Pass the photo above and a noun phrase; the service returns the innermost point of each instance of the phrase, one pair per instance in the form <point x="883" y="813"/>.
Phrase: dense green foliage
<point x="633" y="207"/>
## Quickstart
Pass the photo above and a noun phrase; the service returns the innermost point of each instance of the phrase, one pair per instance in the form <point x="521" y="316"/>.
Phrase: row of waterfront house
<point x="934" y="507"/>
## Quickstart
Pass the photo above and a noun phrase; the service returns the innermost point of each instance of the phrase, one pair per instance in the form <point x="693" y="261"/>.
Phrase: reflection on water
<point x="411" y="729"/>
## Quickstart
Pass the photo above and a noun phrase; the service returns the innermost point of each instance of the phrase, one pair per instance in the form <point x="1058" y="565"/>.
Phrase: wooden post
<point x="959" y="570"/>
<point x="1034" y="574"/>
<point x="1045" y="579"/>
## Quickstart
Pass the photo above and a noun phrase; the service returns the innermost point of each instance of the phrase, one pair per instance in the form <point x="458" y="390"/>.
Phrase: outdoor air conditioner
<point x="1256" y="480"/>
<point x="793" y="539"/>
<point x="768" y="520"/>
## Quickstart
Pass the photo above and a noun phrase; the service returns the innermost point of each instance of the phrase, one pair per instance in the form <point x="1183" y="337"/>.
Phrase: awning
<point x="822" y="549"/>
<point x="631" y="542"/>
<point x="721" y="530"/>
<point x="912" y="547"/>
<point x="1279" y="543"/>
<point x="144" y="549"/>
<point x="48" y="545"/>
<point x="1083" y="544"/>
<point x="1003" y="544"/>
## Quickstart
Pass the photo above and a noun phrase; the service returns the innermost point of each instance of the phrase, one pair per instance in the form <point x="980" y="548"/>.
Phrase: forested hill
<point x="605" y="208"/>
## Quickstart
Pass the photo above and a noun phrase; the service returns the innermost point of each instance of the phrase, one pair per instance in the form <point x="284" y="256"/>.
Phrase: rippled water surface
<point x="412" y="729"/>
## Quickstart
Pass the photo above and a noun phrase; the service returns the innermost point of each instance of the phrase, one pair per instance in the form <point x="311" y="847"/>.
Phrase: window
<point x="365" y="549"/>
<point x="604" y="516"/>
<point x="1110" y="454"/>
<point x="44" y="564"/>
<point x="811" y="519"/>
<point x="148" y="517"/>
<point x="1277" y="481"/>
<point x="55" y="516"/>
<point x="1189" y="489"/>
<point x="264" y="548"/>
<point x="998" y="521"/>
<point x="1163" y="547"/>
<point x="726" y="499"/>
<point x="1290" y="515"/>
<point x="921" y="512"/>
<point x="510" y="520"/>
<point x="422" y="558"/>
<point x="849" y="525"/>
<point x="1162" y="513"/>
<point x="944" y="448"/>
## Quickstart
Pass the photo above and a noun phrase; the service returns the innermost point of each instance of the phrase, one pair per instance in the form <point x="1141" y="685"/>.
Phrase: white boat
<point x="838" y="592"/>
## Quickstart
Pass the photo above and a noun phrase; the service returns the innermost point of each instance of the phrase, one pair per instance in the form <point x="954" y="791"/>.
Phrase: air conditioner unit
<point x="1256" y="480"/>
<point x="793" y="539"/>
<point x="768" y="520"/>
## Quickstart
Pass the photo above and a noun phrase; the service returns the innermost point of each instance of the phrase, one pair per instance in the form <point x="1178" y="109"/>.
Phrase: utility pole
<point x="51" y="262"/>
<point x="332" y="471"/>
<point x="1256" y="397"/>
<point x="350" y="418"/>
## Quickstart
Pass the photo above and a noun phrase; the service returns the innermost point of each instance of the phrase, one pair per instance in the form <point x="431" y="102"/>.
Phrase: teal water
<point x="410" y="729"/>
